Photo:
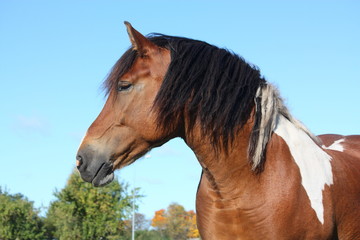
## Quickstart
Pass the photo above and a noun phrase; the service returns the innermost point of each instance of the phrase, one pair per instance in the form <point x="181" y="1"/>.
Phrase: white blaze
<point x="313" y="162"/>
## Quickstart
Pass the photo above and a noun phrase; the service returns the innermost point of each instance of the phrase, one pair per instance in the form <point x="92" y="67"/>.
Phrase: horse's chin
<point x="100" y="182"/>
<point x="104" y="176"/>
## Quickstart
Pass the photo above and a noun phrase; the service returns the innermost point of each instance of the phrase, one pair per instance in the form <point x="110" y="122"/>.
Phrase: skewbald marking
<point x="336" y="146"/>
<point x="313" y="162"/>
<point x="271" y="115"/>
<point x="268" y="107"/>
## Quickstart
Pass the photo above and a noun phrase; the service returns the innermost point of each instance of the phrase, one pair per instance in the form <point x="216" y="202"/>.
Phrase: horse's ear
<point x="138" y="41"/>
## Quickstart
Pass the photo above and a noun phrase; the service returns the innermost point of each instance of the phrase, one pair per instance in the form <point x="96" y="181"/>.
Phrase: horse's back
<point x="345" y="153"/>
<point x="350" y="145"/>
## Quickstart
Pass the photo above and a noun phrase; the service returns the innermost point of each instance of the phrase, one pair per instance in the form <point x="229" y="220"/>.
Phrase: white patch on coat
<point x="313" y="162"/>
<point x="336" y="146"/>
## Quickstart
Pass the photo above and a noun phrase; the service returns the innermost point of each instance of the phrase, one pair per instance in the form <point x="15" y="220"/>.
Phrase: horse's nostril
<point x="79" y="161"/>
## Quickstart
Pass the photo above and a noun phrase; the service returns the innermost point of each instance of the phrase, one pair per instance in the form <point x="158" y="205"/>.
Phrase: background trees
<point x="176" y="223"/>
<point x="82" y="211"/>
<point x="18" y="218"/>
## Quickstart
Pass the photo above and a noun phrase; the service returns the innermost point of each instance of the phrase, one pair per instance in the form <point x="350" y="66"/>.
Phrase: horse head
<point x="126" y="127"/>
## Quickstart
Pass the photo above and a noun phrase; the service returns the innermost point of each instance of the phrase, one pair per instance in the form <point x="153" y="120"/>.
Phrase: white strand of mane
<point x="271" y="107"/>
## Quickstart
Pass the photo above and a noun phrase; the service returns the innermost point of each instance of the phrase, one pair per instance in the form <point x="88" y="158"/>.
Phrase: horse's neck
<point x="229" y="173"/>
<point x="226" y="172"/>
<point x="292" y="159"/>
<point x="232" y="199"/>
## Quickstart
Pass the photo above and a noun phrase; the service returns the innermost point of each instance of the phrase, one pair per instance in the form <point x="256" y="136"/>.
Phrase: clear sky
<point x="54" y="56"/>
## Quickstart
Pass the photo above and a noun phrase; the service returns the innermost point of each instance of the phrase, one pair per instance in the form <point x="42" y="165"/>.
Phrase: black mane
<point x="207" y="83"/>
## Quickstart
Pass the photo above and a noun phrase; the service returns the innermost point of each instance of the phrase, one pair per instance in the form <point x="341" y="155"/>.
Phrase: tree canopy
<point x="18" y="218"/>
<point x="176" y="223"/>
<point x="82" y="211"/>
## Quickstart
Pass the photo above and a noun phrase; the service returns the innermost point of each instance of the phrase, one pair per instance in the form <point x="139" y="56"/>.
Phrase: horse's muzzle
<point x="94" y="169"/>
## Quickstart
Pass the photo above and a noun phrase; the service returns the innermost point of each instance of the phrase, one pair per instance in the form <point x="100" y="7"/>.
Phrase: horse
<point x="264" y="174"/>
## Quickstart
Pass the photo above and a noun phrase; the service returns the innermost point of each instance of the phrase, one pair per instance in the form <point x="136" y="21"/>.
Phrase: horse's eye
<point x="124" y="86"/>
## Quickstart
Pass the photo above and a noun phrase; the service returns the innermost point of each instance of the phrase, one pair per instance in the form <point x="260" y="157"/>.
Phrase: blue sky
<point x="54" y="56"/>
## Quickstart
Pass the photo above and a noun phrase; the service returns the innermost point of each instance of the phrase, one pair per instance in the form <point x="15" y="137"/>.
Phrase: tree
<point x="193" y="230"/>
<point x="19" y="219"/>
<point x="141" y="227"/>
<point x="82" y="211"/>
<point x="142" y="231"/>
<point x="159" y="221"/>
<point x="175" y="222"/>
<point x="141" y="223"/>
<point x="149" y="235"/>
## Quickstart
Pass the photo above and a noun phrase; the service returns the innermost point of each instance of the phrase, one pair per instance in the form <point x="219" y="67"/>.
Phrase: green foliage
<point x="82" y="211"/>
<point x="149" y="235"/>
<point x="142" y="231"/>
<point x="18" y="218"/>
<point x="145" y="235"/>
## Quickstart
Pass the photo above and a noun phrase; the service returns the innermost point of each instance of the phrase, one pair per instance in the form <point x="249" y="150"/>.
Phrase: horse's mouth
<point x="104" y="175"/>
